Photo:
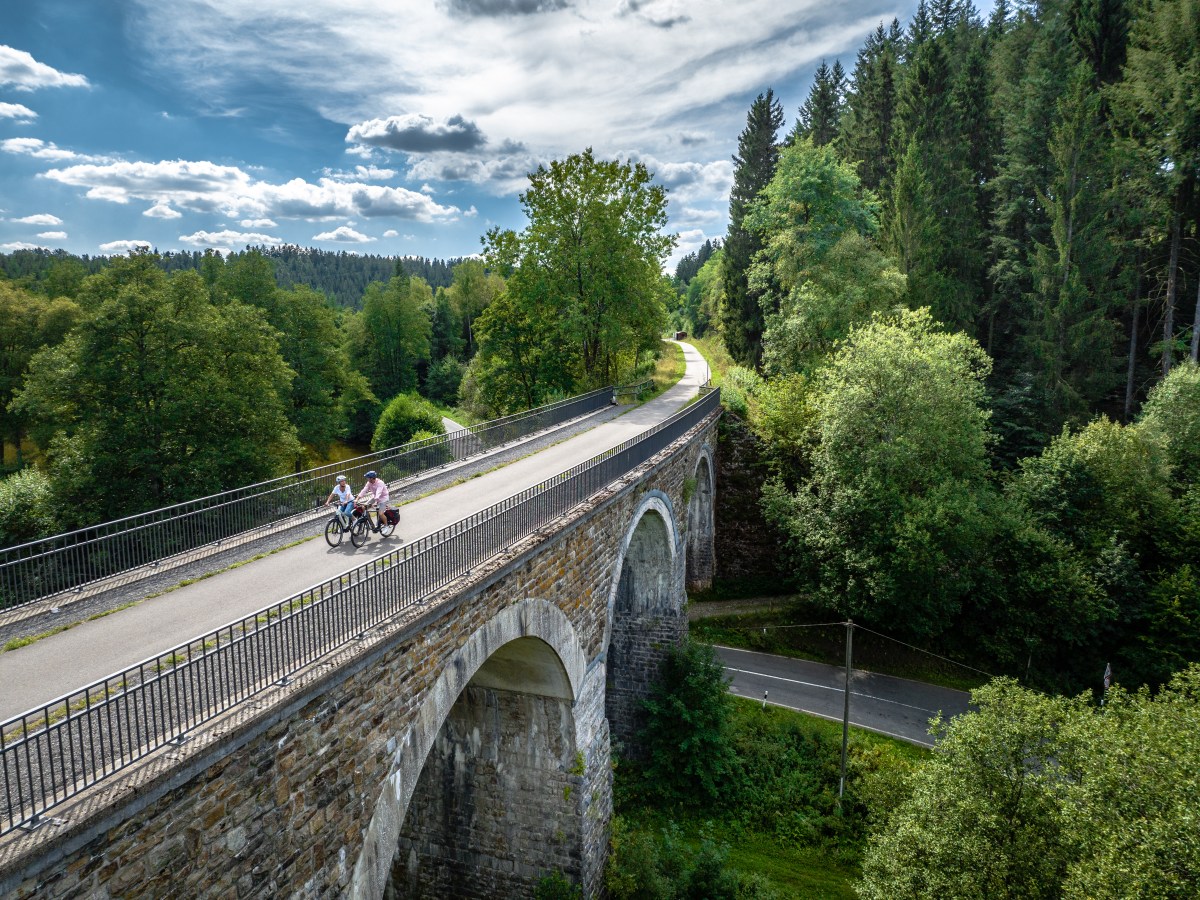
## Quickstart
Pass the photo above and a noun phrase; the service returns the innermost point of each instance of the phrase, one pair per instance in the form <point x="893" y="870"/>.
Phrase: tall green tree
<point x="471" y="290"/>
<point x="754" y="167"/>
<point x="883" y="528"/>
<point x="818" y="270"/>
<point x="1156" y="110"/>
<point x="390" y="336"/>
<point x="1072" y="335"/>
<point x="589" y="264"/>
<point x="158" y="395"/>
<point x="868" y="119"/>
<point x="28" y="323"/>
<point x="821" y="112"/>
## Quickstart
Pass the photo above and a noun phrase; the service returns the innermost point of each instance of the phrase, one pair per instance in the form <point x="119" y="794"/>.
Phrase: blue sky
<point x="376" y="127"/>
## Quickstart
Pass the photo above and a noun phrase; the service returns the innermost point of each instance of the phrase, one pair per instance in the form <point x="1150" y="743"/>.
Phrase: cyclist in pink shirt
<point x="377" y="489"/>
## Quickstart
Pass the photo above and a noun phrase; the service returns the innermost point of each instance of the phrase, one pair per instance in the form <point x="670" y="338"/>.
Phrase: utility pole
<point x="846" y="708"/>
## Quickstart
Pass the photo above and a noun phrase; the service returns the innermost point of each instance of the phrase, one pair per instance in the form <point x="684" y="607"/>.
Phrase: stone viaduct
<point x="464" y="750"/>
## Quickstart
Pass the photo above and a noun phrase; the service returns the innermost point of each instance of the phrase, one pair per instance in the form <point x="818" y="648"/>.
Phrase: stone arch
<point x="644" y="613"/>
<point x="529" y="637"/>
<point x="701" y="528"/>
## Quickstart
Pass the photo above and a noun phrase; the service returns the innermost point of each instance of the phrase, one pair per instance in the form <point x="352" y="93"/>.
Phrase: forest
<point x="958" y="299"/>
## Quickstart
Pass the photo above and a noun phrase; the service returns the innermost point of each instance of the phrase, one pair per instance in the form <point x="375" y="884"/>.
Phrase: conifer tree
<point x="868" y="118"/>
<point x="822" y="111"/>
<point x="755" y="162"/>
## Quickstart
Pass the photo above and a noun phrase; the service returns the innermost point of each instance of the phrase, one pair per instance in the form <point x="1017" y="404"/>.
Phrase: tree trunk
<point x="1169" y="313"/>
<point x="1133" y="335"/>
<point x="1196" y="323"/>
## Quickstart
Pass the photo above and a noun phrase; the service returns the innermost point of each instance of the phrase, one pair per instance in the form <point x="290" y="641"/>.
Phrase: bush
<point x="403" y="417"/>
<point x="26" y="507"/>
<point x="556" y="887"/>
<point x="687" y="734"/>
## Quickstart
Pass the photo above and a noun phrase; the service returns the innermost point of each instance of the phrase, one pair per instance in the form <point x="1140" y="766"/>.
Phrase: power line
<point x="923" y="650"/>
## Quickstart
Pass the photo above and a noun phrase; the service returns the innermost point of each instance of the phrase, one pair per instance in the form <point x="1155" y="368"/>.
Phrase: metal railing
<point x="55" y="751"/>
<point x="67" y="562"/>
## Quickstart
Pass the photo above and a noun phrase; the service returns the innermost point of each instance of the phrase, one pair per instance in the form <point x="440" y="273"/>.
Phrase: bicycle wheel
<point x="385" y="527"/>
<point x="359" y="531"/>
<point x="333" y="532"/>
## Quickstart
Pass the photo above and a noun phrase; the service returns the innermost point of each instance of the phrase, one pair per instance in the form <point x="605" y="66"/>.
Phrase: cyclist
<point x="377" y="489"/>
<point x="344" y="499"/>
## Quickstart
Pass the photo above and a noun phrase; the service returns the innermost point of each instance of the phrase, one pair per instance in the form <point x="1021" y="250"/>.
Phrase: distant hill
<point x="341" y="276"/>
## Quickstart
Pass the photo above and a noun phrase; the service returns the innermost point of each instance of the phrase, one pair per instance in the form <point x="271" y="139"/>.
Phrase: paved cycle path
<point x="53" y="666"/>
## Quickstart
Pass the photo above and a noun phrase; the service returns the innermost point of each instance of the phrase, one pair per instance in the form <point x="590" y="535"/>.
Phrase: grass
<point x="712" y="348"/>
<point x="819" y="871"/>
<point x="668" y="369"/>
<point x="797" y="630"/>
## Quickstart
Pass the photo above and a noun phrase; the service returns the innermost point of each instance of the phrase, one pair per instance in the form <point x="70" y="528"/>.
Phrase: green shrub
<point x="556" y="887"/>
<point x="689" y="754"/>
<point x="404" y="416"/>
<point x="746" y="380"/>
<point x="443" y="380"/>
<point x="733" y="398"/>
<point x="26" y="507"/>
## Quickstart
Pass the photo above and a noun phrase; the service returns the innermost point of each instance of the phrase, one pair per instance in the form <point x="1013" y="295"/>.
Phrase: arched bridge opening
<point x="645" y="614"/>
<point x="491" y="812"/>
<point x="701" y="528"/>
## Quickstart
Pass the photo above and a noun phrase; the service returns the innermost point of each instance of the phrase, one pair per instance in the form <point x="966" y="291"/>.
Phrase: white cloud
<point x="16" y="111"/>
<point x="344" y="234"/>
<point x="258" y="223"/>
<point x="22" y="72"/>
<point x="202" y="186"/>
<point x="20" y="245"/>
<point x="46" y="150"/>
<point x="53" y="235"/>
<point x="528" y="81"/>
<point x="40" y="219"/>
<point x="162" y="211"/>
<point x="391" y="232"/>
<point x="361" y="173"/>
<point x="119" y="247"/>
<point x="227" y="238"/>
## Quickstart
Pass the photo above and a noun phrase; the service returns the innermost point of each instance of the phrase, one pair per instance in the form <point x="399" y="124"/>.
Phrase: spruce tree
<point x="755" y="162"/>
<point x="822" y="111"/>
<point x="866" y="124"/>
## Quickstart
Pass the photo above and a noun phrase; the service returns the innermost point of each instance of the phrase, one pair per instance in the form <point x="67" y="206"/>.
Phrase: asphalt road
<point x="55" y="665"/>
<point x="896" y="707"/>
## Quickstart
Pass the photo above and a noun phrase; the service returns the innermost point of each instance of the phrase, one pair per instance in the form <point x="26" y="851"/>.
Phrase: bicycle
<point x="335" y="528"/>
<point x="363" y="525"/>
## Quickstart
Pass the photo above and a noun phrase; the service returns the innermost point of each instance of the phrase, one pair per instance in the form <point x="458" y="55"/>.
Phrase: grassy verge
<point x="668" y="369"/>
<point x="712" y="348"/>
<point x="800" y="630"/>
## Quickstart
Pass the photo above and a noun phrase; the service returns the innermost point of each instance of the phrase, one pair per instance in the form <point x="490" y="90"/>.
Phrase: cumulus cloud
<point x="20" y="71"/>
<point x="257" y="223"/>
<point x="20" y="245"/>
<point x="118" y="247"/>
<point x="361" y="173"/>
<point x="40" y="219"/>
<point x="16" y="111"/>
<point x="344" y="235"/>
<point x="415" y="133"/>
<point x="46" y="150"/>
<point x="202" y="186"/>
<point x="162" y="211"/>
<point x="227" y="238"/>
<point x="391" y="232"/>
<point x="53" y="235"/>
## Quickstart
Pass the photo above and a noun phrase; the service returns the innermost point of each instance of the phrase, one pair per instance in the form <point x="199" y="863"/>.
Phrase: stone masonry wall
<point x="274" y="798"/>
<point x="464" y="835"/>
